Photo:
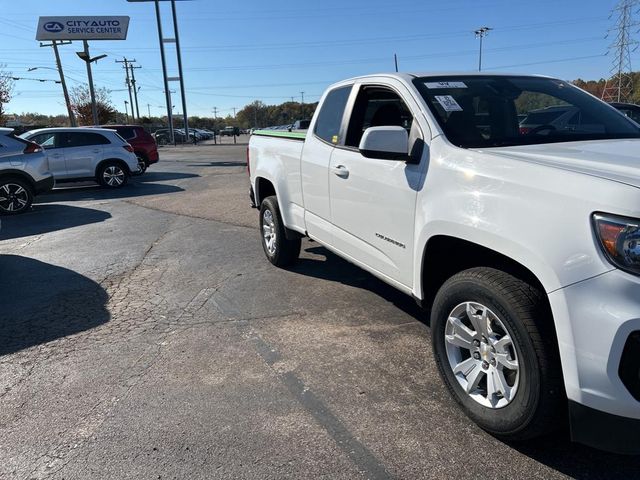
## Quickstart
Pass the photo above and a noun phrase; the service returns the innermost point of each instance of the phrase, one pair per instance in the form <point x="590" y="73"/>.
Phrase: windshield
<point x="495" y="111"/>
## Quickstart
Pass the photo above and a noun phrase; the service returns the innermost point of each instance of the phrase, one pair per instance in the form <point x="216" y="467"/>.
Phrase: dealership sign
<point x="82" y="28"/>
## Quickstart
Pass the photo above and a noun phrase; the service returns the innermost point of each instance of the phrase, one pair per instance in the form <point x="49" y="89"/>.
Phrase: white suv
<point x="86" y="153"/>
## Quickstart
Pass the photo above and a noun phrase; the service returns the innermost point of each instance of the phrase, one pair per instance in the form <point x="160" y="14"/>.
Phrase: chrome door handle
<point x="341" y="171"/>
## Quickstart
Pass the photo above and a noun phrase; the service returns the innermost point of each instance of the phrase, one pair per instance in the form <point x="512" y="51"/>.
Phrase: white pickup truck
<point x="522" y="243"/>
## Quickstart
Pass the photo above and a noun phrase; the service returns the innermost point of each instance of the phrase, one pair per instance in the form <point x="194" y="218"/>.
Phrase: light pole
<point x="481" y="33"/>
<point x="84" y="55"/>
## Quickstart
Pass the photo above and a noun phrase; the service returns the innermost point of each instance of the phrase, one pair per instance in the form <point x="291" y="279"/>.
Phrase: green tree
<point x="81" y="105"/>
<point x="6" y="90"/>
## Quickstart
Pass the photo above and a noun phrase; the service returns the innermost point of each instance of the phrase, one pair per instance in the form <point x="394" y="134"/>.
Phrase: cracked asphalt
<point x="144" y="335"/>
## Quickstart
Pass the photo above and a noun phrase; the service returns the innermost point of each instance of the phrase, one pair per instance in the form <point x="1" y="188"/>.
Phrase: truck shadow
<point x="42" y="302"/>
<point x="49" y="218"/>
<point x="577" y="461"/>
<point x="335" y="269"/>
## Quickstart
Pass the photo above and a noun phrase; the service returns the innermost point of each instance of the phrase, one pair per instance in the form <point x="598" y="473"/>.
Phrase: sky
<point x="237" y="52"/>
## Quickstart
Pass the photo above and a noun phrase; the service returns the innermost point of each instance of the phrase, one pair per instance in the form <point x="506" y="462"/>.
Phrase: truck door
<point x="373" y="200"/>
<point x="318" y="147"/>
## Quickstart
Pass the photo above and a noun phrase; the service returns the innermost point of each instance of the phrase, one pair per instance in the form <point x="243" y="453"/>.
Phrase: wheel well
<point x="445" y="256"/>
<point x="264" y="189"/>
<point x="18" y="174"/>
<point x="122" y="163"/>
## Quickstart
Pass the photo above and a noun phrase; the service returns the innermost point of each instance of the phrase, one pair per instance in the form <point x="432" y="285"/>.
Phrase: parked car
<point x="87" y="153"/>
<point x="162" y="136"/>
<point x="229" y="132"/>
<point x="300" y="125"/>
<point x="629" y="109"/>
<point x="524" y="247"/>
<point x="24" y="173"/>
<point x="143" y="143"/>
<point x="559" y="118"/>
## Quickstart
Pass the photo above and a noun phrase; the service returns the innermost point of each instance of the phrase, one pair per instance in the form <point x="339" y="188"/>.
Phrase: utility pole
<point x="65" y="92"/>
<point x="135" y="90"/>
<point x="619" y="87"/>
<point x="395" y="59"/>
<point x="234" y="112"/>
<point x="126" y="111"/>
<point x="86" y="57"/>
<point x="149" y="109"/>
<point x="302" y="106"/>
<point x="481" y="33"/>
<point x="125" y="65"/>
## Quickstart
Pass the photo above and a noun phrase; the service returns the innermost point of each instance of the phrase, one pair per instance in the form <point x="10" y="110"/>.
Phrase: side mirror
<point x="386" y="143"/>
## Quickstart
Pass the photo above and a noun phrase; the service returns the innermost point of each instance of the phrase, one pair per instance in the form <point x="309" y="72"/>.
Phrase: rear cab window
<point x="329" y="121"/>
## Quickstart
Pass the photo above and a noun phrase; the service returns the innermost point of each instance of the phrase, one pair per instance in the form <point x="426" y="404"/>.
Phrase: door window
<point x="377" y="107"/>
<point x="46" y="140"/>
<point x="84" y="139"/>
<point x="330" y="116"/>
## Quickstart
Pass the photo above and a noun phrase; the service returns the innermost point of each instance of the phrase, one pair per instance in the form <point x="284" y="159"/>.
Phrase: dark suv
<point x="144" y="145"/>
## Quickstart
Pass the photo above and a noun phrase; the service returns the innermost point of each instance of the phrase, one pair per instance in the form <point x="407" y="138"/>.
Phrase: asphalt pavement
<point x="144" y="335"/>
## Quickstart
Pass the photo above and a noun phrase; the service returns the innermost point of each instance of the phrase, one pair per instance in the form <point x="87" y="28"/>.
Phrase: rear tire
<point x="495" y="348"/>
<point x="112" y="174"/>
<point x="142" y="164"/>
<point x="16" y="196"/>
<point x="279" y="250"/>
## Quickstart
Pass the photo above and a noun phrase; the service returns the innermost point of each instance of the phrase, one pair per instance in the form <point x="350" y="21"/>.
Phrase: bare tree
<point x="81" y="105"/>
<point x="6" y="90"/>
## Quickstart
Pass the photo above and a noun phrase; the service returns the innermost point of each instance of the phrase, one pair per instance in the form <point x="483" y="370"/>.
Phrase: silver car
<point x="96" y="154"/>
<point x="24" y="173"/>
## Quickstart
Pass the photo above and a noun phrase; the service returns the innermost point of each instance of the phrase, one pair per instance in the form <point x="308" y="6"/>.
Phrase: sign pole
<point x="94" y="107"/>
<point x="164" y="73"/>
<point x="179" y="54"/>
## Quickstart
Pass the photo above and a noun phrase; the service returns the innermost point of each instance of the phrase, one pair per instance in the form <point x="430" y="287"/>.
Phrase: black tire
<point x="285" y="252"/>
<point x="16" y="196"/>
<point x="539" y="402"/>
<point x="142" y="163"/>
<point x="112" y="174"/>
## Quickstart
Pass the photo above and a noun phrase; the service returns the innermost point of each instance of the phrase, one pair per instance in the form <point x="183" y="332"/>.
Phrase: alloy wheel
<point x="482" y="355"/>
<point x="113" y="176"/>
<point x="13" y="197"/>
<point x="269" y="232"/>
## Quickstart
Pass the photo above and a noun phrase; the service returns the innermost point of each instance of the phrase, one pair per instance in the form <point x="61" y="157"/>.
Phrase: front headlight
<point x="619" y="238"/>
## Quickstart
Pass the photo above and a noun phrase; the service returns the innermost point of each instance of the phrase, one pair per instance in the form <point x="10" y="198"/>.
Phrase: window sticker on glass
<point x="448" y="103"/>
<point x="445" y="85"/>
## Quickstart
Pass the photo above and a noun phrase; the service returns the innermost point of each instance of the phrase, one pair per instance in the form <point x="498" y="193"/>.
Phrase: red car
<point x="144" y="145"/>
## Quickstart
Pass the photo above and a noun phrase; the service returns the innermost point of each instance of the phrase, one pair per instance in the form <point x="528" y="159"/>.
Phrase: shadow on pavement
<point x="49" y="218"/>
<point x="41" y="302"/>
<point x="162" y="176"/>
<point x="578" y="461"/>
<point x="219" y="164"/>
<point x="336" y="269"/>
<point x="134" y="189"/>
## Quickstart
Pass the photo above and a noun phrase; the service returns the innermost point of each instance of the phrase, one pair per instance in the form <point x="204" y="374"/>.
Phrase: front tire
<point x="495" y="349"/>
<point x="112" y="175"/>
<point x="280" y="251"/>
<point x="16" y="196"/>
